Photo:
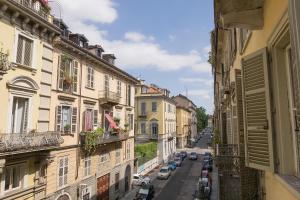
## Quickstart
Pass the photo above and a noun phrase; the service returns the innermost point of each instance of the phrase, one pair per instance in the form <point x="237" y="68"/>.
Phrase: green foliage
<point x="92" y="139"/>
<point x="216" y="138"/>
<point x="145" y="151"/>
<point x="202" y="118"/>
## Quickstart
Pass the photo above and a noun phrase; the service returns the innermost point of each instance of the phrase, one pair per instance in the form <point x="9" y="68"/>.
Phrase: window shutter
<point x="228" y="127"/>
<point x="239" y="106"/>
<point x="19" y="50"/>
<point x="74" y="119"/>
<point x="235" y="137"/>
<point x="25" y="123"/>
<point x="75" y="76"/>
<point x="60" y="75"/>
<point x="257" y="111"/>
<point x="95" y="119"/>
<point x="92" y="78"/>
<point x="58" y="118"/>
<point x="28" y="52"/>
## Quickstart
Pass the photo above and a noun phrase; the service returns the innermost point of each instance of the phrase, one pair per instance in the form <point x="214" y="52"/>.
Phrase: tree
<point x="202" y="118"/>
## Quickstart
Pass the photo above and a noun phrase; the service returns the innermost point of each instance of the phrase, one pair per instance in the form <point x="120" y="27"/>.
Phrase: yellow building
<point x="27" y="32"/>
<point x="256" y="60"/>
<point x="183" y="118"/>
<point x="155" y="118"/>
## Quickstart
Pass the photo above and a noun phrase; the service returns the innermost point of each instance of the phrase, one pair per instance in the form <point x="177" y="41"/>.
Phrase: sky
<point x="165" y="42"/>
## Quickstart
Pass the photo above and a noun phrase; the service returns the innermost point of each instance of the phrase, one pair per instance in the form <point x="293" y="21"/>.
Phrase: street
<point x="181" y="185"/>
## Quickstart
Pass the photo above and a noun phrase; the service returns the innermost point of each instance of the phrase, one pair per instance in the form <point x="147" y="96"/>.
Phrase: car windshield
<point x="164" y="170"/>
<point x="143" y="191"/>
<point x="193" y="153"/>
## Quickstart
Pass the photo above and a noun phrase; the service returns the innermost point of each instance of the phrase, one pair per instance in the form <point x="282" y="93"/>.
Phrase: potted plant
<point x="67" y="128"/>
<point x="117" y="120"/>
<point x="91" y="139"/>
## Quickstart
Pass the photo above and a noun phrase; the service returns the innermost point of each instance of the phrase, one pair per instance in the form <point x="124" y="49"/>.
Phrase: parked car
<point x="204" y="174"/>
<point x="207" y="154"/>
<point x="193" y="156"/>
<point x="208" y="159"/>
<point x="178" y="161"/>
<point x="164" y="173"/>
<point x="172" y="165"/>
<point x="138" y="179"/>
<point x="183" y="154"/>
<point x="145" y="193"/>
<point x="207" y="165"/>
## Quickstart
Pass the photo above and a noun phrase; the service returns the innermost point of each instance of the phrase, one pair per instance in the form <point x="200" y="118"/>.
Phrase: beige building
<point x="155" y="118"/>
<point x="183" y="102"/>
<point x="54" y="86"/>
<point x="183" y="118"/>
<point x="256" y="60"/>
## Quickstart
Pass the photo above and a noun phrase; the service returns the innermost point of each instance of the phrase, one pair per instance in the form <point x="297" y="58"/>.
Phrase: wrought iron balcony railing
<point x="146" y="136"/>
<point x="11" y="142"/>
<point x="143" y="114"/>
<point x="109" y="97"/>
<point x="41" y="11"/>
<point x="4" y="64"/>
<point x="106" y="138"/>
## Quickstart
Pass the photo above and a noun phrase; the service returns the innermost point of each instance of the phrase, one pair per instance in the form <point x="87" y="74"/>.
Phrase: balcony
<point x="28" y="4"/>
<point x="145" y="137"/>
<point x="143" y="114"/>
<point x="171" y="136"/>
<point x="13" y="143"/>
<point x="109" y="98"/>
<point x="106" y="138"/>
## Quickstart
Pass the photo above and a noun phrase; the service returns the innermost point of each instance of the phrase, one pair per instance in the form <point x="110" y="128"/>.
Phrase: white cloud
<point x="208" y="82"/>
<point x="136" y="50"/>
<point x="206" y="49"/>
<point x="204" y="94"/>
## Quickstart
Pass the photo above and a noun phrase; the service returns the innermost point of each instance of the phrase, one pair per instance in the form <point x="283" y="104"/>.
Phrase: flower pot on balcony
<point x="67" y="129"/>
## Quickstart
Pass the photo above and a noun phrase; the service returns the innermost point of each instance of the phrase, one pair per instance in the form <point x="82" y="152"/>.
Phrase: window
<point x="68" y="74"/>
<point x="119" y="88"/>
<point x="128" y="96"/>
<point x="24" y="51"/>
<point x="143" y="108"/>
<point x="90" y="77"/>
<point x="117" y="179"/>
<point x="13" y="177"/>
<point x="104" y="157"/>
<point x="66" y="119"/>
<point x="87" y="165"/>
<point x="144" y="89"/>
<point x="63" y="171"/>
<point x="86" y="193"/>
<point x="143" y="127"/>
<point x="128" y="150"/>
<point x="130" y="121"/>
<point x="118" y="155"/>
<point x="169" y="108"/>
<point x="90" y="120"/>
<point x="154" y="128"/>
<point x="19" y="122"/>
<point x="154" y="106"/>
<point x="106" y="84"/>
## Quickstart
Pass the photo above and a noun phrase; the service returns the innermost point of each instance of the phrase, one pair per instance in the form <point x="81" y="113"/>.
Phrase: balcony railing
<point x="4" y="64"/>
<point x="107" y="138"/>
<point x="143" y="114"/>
<point x="146" y="137"/>
<point x="29" y="4"/>
<point x="108" y="97"/>
<point x="29" y="141"/>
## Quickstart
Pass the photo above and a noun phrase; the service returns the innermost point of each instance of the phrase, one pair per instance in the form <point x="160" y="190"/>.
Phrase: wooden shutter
<point x="25" y="122"/>
<point x="257" y="111"/>
<point x="239" y="106"/>
<point x="58" y="118"/>
<point x="74" y="119"/>
<point x="95" y="119"/>
<point x="27" y="52"/>
<point x="60" y="74"/>
<point x="75" y="76"/>
<point x="234" y="122"/>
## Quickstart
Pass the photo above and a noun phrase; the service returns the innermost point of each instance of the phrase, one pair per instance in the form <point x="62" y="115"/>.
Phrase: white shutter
<point x="239" y="106"/>
<point x="60" y="74"/>
<point x="75" y="76"/>
<point x="20" y="49"/>
<point x="257" y="111"/>
<point x="95" y="119"/>
<point x="25" y="117"/>
<point x="58" y="118"/>
<point x="74" y="119"/>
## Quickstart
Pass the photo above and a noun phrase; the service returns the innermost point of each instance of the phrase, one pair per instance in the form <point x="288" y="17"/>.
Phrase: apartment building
<point x="183" y="102"/>
<point x="183" y="128"/>
<point x="256" y="60"/>
<point x="155" y="118"/>
<point x="89" y="92"/>
<point x="26" y="141"/>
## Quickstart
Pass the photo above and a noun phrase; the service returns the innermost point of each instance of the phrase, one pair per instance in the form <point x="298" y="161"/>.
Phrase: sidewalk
<point x="215" y="185"/>
<point x="131" y="194"/>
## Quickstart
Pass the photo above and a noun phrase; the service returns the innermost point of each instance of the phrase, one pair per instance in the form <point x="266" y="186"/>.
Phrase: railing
<point x="107" y="138"/>
<point x="28" y="4"/>
<point x="143" y="114"/>
<point x="29" y="141"/>
<point x="4" y="64"/>
<point x="109" y="96"/>
<point x="146" y="136"/>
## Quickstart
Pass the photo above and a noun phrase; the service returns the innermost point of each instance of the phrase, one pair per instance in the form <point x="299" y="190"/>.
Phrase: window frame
<point x="22" y="178"/>
<point x="117" y="181"/>
<point x="65" y="174"/>
<point x="154" y="106"/>
<point x="33" y="49"/>
<point x="90" y="79"/>
<point x="87" y="166"/>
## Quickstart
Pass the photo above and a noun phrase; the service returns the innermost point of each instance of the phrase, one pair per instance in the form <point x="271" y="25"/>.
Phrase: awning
<point x="112" y="123"/>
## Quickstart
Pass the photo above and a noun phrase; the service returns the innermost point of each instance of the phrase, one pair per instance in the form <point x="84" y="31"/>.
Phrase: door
<point x="103" y="187"/>
<point x="19" y="115"/>
<point x="127" y="178"/>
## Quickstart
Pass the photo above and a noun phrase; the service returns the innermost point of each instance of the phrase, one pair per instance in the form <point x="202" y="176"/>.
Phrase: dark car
<point x="183" y="154"/>
<point x="145" y="193"/>
<point x="207" y="164"/>
<point x="193" y="156"/>
<point x="207" y="154"/>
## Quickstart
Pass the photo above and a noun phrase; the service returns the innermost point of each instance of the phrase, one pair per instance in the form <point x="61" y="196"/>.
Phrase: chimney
<point x="110" y="58"/>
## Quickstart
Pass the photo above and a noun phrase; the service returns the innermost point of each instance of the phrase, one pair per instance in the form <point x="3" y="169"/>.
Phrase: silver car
<point x="164" y="173"/>
<point x="178" y="161"/>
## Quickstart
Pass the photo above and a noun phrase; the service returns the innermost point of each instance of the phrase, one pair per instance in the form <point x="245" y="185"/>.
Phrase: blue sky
<point x="161" y="41"/>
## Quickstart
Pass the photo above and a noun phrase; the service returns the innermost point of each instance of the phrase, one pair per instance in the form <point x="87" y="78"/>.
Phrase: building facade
<point x="183" y="102"/>
<point x="56" y="92"/>
<point x="183" y="117"/>
<point x="255" y="58"/>
<point x="156" y="119"/>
